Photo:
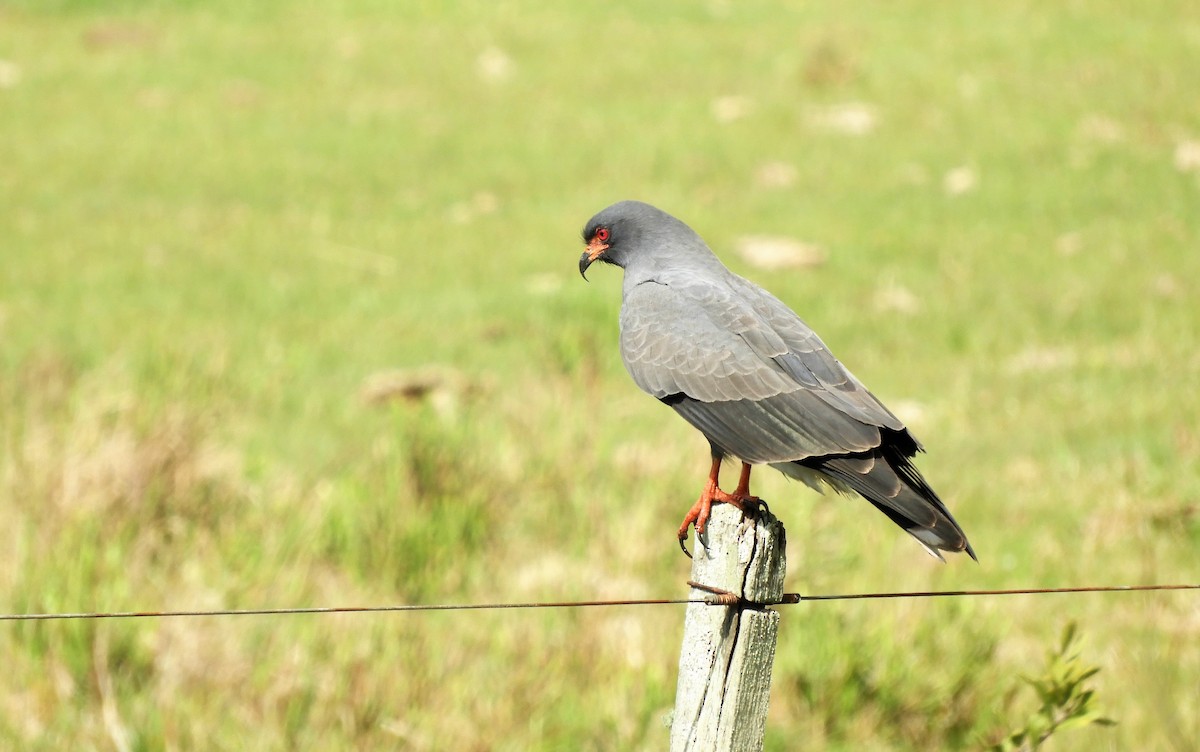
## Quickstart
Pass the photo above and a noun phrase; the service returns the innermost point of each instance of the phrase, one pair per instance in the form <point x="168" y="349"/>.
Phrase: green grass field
<point x="224" y="225"/>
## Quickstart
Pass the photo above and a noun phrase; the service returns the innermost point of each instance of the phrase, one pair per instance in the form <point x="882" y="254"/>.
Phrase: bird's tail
<point x="887" y="478"/>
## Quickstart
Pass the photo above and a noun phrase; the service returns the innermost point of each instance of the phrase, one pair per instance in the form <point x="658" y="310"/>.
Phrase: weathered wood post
<point x="725" y="662"/>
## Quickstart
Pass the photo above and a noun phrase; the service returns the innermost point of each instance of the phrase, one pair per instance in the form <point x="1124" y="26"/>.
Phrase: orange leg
<point x="712" y="494"/>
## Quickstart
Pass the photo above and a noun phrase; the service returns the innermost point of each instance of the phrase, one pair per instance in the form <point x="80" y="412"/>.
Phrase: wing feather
<point x="746" y="388"/>
<point x="809" y="361"/>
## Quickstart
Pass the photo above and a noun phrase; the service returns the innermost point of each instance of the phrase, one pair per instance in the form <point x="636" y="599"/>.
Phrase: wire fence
<point x="716" y="597"/>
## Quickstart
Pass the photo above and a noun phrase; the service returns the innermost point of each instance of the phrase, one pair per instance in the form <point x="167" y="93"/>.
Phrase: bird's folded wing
<point x="811" y="363"/>
<point x="672" y="345"/>
<point x="712" y="353"/>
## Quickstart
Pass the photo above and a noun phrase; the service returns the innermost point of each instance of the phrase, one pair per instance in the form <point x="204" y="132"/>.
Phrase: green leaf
<point x="1065" y="700"/>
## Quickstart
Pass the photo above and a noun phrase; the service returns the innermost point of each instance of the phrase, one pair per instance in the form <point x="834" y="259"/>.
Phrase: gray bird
<point x="760" y="385"/>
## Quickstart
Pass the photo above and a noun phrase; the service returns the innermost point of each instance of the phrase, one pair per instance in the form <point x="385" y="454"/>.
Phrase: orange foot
<point x="712" y="494"/>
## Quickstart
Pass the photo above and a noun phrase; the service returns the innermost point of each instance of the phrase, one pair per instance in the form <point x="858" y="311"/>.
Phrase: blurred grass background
<point x="290" y="317"/>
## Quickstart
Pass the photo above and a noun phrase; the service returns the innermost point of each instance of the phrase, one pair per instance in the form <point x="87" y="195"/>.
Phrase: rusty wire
<point x="717" y="597"/>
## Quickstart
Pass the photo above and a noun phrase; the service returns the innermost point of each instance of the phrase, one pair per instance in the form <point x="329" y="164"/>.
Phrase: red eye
<point x="602" y="234"/>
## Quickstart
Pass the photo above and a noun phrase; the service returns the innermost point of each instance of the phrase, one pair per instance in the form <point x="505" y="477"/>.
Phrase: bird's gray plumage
<point x="745" y="370"/>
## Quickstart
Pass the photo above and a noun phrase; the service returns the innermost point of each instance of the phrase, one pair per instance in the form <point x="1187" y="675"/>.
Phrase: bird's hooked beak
<point x="595" y="249"/>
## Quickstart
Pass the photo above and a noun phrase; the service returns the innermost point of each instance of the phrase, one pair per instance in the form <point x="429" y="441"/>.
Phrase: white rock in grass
<point x="960" y="180"/>
<point x="896" y="298"/>
<point x="775" y="175"/>
<point x="347" y="47"/>
<point x="968" y="86"/>
<point x="851" y="118"/>
<point x="153" y="98"/>
<point x="913" y="413"/>
<point x="728" y="109"/>
<point x="773" y="252"/>
<point x="1069" y="243"/>
<point x="10" y="74"/>
<point x="1024" y="470"/>
<point x="494" y="65"/>
<point x="1166" y="286"/>
<point x="1101" y="130"/>
<point x="1187" y="156"/>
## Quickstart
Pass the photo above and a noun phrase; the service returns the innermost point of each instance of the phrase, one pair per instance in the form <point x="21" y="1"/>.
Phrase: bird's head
<point x="606" y="238"/>
<point x="599" y="241"/>
<point x="618" y="234"/>
<point x="640" y="238"/>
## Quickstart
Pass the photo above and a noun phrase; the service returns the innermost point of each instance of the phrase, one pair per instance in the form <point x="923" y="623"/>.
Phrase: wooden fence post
<point x="725" y="662"/>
